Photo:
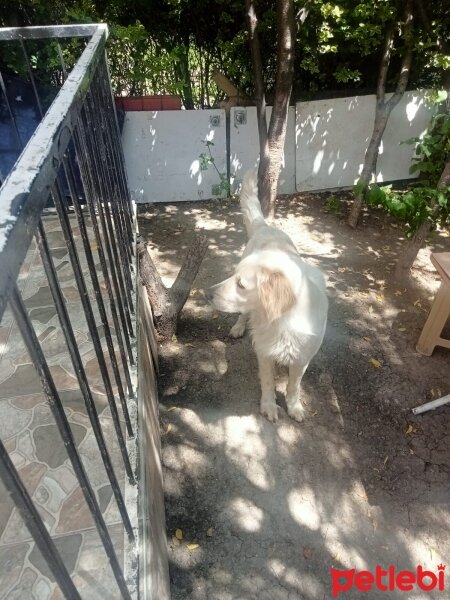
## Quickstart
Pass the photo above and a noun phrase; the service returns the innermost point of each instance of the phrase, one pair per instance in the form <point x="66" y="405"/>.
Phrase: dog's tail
<point x="251" y="208"/>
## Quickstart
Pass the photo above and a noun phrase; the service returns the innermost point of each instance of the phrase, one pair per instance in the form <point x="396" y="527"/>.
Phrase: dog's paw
<point x="237" y="330"/>
<point x="297" y="412"/>
<point x="269" y="409"/>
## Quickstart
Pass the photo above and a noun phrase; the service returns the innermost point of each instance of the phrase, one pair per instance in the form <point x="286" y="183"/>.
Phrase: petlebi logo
<point x="387" y="580"/>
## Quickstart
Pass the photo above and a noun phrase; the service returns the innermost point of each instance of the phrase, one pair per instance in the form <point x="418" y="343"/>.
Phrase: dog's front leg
<point x="238" y="328"/>
<point x="268" y="405"/>
<point x="295" y="408"/>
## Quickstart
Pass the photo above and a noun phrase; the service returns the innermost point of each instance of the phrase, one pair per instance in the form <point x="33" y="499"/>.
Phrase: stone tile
<point x="12" y="561"/>
<point x="42" y="589"/>
<point x="24" y="380"/>
<point x="68" y="546"/>
<point x="75" y="514"/>
<point x="49" y="445"/>
<point x="43" y="314"/>
<point x="94" y="577"/>
<point x="25" y="445"/>
<point x="104" y="497"/>
<point x="50" y="494"/>
<point x="37" y="296"/>
<point x="24" y="588"/>
<point x="17" y="531"/>
<point x="12" y="420"/>
<point x="28" y="402"/>
<point x="65" y="477"/>
<point x="6" y="510"/>
<point x="18" y="459"/>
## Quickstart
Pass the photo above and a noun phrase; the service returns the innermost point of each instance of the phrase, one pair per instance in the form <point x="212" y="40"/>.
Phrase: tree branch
<point x="384" y="64"/>
<point x="407" y="57"/>
<point x="181" y="287"/>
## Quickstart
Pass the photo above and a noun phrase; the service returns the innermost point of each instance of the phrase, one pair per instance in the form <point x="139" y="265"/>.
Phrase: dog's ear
<point x="275" y="293"/>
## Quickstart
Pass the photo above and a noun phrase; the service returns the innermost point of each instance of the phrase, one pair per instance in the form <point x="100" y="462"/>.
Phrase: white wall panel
<point x="162" y="154"/>
<point x="331" y="140"/>
<point x="332" y="137"/>
<point x="244" y="147"/>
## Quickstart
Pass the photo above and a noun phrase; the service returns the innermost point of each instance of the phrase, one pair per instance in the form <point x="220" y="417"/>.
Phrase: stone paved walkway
<point x="28" y="430"/>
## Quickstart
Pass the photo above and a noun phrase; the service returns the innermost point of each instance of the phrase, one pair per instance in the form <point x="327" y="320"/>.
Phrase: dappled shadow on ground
<point x="361" y="482"/>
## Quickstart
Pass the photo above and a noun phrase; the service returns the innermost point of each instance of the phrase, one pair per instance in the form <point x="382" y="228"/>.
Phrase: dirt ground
<point x="265" y="510"/>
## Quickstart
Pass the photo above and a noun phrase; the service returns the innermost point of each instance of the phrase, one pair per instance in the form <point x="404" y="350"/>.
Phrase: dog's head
<point x="256" y="285"/>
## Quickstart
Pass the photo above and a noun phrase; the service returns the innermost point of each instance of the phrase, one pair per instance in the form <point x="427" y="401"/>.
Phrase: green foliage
<point x="424" y="200"/>
<point x="206" y="161"/>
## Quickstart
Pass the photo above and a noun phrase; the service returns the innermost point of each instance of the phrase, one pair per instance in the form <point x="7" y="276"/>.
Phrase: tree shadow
<point x="361" y="482"/>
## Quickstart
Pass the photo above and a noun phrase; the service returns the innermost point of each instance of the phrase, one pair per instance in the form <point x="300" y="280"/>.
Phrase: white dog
<point x="283" y="298"/>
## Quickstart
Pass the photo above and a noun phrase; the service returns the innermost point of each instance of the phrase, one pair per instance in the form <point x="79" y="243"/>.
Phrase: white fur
<point x="281" y="296"/>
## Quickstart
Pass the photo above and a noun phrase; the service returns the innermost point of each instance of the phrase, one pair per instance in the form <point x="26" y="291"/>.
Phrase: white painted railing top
<point x="324" y="149"/>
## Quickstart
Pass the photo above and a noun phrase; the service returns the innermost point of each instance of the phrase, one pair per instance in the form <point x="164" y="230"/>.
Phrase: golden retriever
<point x="282" y="297"/>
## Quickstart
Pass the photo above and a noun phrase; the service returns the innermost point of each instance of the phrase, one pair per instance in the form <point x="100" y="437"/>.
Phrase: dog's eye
<point x="240" y="284"/>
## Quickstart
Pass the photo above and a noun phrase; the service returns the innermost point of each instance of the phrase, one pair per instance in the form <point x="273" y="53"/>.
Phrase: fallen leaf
<point x="436" y="392"/>
<point x="371" y="309"/>
<point x="174" y="338"/>
<point x="385" y="460"/>
<point x="169" y="428"/>
<point x="375" y="363"/>
<point x="411" y="429"/>
<point x="314" y="413"/>
<point x="175" y="541"/>
<point x="417" y="303"/>
<point x="308" y="552"/>
<point x="179" y="534"/>
<point x="215" y="316"/>
<point x="398" y="293"/>
<point x="194" y="292"/>
<point x="379" y="298"/>
<point x="367" y="339"/>
<point x="192" y="546"/>
<point x="343" y="269"/>
<point x="172" y="408"/>
<point x="210" y="531"/>
<point x="401" y="328"/>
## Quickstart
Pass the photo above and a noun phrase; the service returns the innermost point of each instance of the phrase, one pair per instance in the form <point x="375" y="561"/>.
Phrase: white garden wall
<point x="244" y="147"/>
<point x="162" y="154"/>
<point x="332" y="137"/>
<point x="325" y="146"/>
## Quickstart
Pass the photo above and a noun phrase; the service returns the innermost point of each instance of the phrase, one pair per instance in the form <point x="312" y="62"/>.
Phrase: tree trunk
<point x="255" y="50"/>
<point x="167" y="303"/>
<point x="384" y="107"/>
<point x="271" y="141"/>
<point x="370" y="164"/>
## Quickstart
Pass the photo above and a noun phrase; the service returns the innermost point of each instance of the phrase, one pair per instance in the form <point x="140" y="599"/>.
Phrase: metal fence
<point x="75" y="158"/>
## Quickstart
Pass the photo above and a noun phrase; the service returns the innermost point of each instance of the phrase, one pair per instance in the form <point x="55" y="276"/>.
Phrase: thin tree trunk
<point x="283" y="89"/>
<point x="255" y="50"/>
<point x="167" y="303"/>
<point x="271" y="141"/>
<point x="383" y="108"/>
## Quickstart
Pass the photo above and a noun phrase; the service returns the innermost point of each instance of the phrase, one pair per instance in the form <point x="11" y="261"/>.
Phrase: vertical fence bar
<point x="102" y="311"/>
<point x="73" y="255"/>
<point x="106" y="278"/>
<point x="109" y="190"/>
<point x="117" y="146"/>
<point x="33" y="82"/>
<point x="32" y="519"/>
<point x="108" y="234"/>
<point x="49" y="388"/>
<point x="82" y="152"/>
<point x="67" y="329"/>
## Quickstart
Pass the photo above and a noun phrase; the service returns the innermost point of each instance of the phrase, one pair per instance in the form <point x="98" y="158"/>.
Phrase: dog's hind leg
<point x="268" y="405"/>
<point x="238" y="328"/>
<point x="294" y="405"/>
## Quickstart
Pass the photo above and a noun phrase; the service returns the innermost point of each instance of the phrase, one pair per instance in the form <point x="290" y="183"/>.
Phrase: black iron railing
<point x="75" y="159"/>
